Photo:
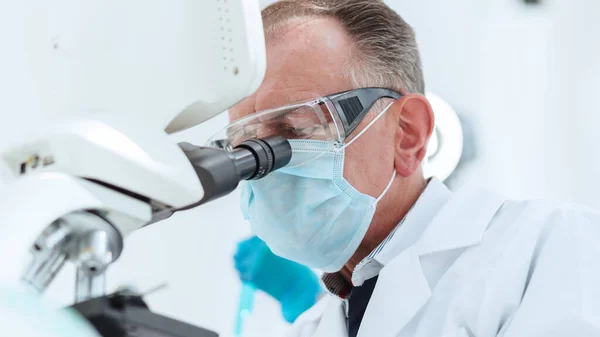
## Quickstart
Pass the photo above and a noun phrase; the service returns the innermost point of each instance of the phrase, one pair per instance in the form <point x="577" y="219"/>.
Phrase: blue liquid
<point x="245" y="308"/>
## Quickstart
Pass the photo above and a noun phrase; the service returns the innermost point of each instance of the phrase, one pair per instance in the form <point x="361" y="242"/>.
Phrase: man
<point x="402" y="256"/>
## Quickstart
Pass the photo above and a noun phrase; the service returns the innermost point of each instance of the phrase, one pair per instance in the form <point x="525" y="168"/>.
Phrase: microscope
<point x="126" y="74"/>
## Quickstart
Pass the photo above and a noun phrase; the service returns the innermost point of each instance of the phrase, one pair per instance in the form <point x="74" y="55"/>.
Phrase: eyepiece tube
<point x="245" y="163"/>
<point x="220" y="171"/>
<point x="270" y="153"/>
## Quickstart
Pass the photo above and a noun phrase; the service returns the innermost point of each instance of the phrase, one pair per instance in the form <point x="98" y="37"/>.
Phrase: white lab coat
<point x="484" y="267"/>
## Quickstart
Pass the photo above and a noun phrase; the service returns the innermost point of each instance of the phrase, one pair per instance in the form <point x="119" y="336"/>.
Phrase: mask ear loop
<point x="389" y="185"/>
<point x="386" y="188"/>
<point x="366" y="127"/>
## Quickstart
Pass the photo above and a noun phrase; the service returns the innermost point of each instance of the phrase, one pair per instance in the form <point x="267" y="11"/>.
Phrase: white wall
<point x="488" y="59"/>
<point x="576" y="51"/>
<point x="528" y="79"/>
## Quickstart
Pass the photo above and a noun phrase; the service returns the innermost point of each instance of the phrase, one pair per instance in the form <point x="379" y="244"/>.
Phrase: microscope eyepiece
<point x="220" y="171"/>
<point x="255" y="158"/>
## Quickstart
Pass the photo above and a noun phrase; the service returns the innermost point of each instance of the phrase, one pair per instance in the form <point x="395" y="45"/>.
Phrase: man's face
<point x="305" y="60"/>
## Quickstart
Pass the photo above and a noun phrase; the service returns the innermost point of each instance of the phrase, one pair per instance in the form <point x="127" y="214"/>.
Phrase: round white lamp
<point x="446" y="144"/>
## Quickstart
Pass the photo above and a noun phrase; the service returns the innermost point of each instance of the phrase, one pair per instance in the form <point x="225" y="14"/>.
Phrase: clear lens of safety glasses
<point x="313" y="120"/>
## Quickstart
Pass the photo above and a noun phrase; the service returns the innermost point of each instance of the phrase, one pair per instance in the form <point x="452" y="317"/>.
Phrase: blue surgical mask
<point x="309" y="213"/>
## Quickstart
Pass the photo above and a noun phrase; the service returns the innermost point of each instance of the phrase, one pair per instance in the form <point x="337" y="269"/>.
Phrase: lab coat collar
<point x="462" y="222"/>
<point x="402" y="287"/>
<point x="406" y="233"/>
<point x="332" y="319"/>
<point x="431" y="201"/>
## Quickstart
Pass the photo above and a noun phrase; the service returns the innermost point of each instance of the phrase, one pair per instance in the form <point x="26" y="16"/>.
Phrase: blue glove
<point x="293" y="285"/>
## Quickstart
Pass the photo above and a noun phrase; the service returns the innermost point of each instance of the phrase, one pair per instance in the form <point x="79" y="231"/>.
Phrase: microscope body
<point x="94" y="161"/>
<point x="81" y="211"/>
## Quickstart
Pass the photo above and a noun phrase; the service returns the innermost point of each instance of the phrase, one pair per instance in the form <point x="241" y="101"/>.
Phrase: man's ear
<point x="415" y="121"/>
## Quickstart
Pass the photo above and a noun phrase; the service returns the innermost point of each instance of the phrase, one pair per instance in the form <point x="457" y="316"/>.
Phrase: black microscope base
<point x="121" y="315"/>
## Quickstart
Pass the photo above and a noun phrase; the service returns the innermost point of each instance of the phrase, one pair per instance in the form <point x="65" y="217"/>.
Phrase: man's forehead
<point x="305" y="59"/>
<point x="325" y="31"/>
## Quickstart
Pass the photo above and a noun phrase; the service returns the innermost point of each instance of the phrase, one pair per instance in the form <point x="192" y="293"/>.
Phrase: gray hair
<point x="386" y="53"/>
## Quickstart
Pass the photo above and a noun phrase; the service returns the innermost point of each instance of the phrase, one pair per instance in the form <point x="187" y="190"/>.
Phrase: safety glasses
<point x="330" y="118"/>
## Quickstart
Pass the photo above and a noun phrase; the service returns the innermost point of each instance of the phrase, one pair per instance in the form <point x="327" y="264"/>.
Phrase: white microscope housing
<point x="95" y="87"/>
